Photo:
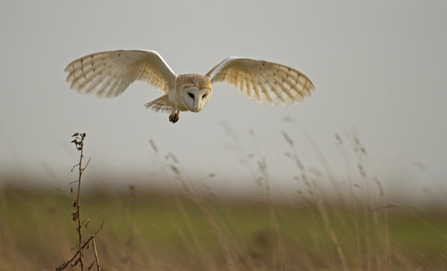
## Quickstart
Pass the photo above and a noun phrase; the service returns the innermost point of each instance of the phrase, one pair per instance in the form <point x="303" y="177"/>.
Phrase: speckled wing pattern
<point x="262" y="81"/>
<point x="108" y="74"/>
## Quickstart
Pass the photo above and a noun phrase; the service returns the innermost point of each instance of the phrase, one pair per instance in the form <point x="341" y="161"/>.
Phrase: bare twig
<point x="79" y="142"/>
<point x="76" y="216"/>
<point x="65" y="264"/>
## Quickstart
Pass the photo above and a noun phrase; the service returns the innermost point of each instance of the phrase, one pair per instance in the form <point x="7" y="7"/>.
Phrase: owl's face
<point x="195" y="98"/>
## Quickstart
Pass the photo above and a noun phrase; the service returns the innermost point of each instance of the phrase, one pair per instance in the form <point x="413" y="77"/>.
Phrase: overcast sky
<point x="378" y="66"/>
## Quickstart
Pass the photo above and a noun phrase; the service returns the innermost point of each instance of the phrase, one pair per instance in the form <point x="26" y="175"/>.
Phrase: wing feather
<point x="242" y="83"/>
<point x="257" y="89"/>
<point x="94" y="79"/>
<point x="281" y="88"/>
<point x="248" y="85"/>
<point x="112" y="87"/>
<point x="272" y="83"/>
<point x="265" y="91"/>
<point x="287" y="82"/>
<point x="109" y="74"/>
<point x="83" y="71"/>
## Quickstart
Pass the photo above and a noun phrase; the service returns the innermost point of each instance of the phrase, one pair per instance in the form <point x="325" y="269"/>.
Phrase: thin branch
<point x="79" y="143"/>
<point x="77" y="165"/>
<point x="80" y="147"/>
<point x="86" y="164"/>
<point x="65" y="264"/>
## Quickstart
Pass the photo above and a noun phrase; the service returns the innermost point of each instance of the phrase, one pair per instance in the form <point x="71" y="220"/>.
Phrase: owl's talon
<point x="174" y="117"/>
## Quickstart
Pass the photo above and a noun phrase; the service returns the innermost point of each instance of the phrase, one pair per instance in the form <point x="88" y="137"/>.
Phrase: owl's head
<point x="196" y="90"/>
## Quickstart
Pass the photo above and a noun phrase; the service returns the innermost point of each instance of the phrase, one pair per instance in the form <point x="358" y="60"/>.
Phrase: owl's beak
<point x="196" y="105"/>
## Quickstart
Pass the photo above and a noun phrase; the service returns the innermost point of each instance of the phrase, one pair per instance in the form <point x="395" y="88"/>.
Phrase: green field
<point x="162" y="231"/>
<point x="326" y="225"/>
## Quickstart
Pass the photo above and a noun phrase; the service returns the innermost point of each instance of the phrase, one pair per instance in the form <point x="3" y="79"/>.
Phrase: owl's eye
<point x="191" y="95"/>
<point x="203" y="96"/>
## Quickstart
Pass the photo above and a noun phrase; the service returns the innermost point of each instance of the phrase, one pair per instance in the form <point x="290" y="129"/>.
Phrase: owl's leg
<point x="175" y="116"/>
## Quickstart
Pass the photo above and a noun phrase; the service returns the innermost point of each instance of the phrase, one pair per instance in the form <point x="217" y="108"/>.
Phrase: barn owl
<point x="108" y="74"/>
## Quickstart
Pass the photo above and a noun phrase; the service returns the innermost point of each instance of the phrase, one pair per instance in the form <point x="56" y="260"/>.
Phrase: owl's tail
<point x="161" y="104"/>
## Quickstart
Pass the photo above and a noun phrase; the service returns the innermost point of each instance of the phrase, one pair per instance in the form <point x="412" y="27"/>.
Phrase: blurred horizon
<point x="161" y="179"/>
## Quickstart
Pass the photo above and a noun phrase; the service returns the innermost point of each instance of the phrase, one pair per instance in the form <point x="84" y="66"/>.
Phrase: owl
<point x="109" y="74"/>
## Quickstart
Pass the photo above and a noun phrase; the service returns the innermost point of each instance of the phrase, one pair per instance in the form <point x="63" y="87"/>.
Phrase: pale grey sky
<point x="378" y="66"/>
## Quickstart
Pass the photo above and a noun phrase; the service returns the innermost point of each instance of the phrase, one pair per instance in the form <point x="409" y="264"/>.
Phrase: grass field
<point x="340" y="226"/>
<point x="144" y="231"/>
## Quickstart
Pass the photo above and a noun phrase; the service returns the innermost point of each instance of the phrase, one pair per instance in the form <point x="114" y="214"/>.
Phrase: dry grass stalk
<point x="263" y="181"/>
<point x="311" y="184"/>
<point x="230" y="254"/>
<point x="413" y="254"/>
<point x="207" y="262"/>
<point x="76" y="216"/>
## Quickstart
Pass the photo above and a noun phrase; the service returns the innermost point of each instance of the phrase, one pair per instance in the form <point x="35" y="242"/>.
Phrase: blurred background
<point x="378" y="69"/>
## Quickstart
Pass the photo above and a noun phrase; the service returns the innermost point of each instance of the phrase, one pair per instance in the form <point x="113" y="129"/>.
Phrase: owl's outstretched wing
<point x="108" y="74"/>
<point x="262" y="81"/>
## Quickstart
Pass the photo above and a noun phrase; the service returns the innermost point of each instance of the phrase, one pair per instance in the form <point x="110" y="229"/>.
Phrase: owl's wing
<point x="262" y="81"/>
<point x="108" y="74"/>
